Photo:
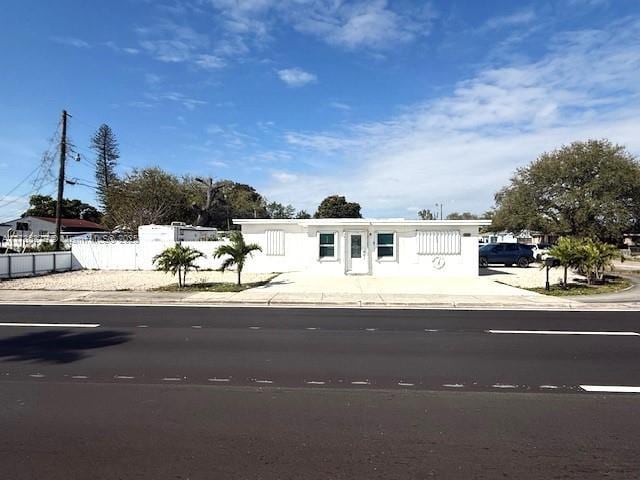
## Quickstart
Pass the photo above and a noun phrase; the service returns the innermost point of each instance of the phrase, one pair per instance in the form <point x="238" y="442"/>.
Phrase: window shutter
<point x="438" y="243"/>
<point x="274" y="242"/>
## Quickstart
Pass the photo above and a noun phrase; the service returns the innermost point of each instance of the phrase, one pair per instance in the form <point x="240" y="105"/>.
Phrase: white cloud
<point x="521" y="17"/>
<point x="284" y="177"/>
<point x="209" y="62"/>
<point x="340" y="106"/>
<point x="71" y="42"/>
<point x="296" y="77"/>
<point x="366" y="24"/>
<point x="218" y="163"/>
<point x="462" y="147"/>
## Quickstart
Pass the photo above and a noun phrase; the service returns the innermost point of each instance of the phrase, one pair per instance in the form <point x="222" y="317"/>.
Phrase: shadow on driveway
<point x="57" y="346"/>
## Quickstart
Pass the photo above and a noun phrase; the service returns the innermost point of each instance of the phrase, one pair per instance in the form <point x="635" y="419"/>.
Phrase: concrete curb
<point x="140" y="299"/>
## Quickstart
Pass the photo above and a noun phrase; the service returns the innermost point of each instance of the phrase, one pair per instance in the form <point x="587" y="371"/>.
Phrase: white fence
<point x="135" y="255"/>
<point x="27" y="264"/>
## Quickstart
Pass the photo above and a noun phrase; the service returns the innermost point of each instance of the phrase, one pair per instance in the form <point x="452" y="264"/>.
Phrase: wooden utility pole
<point x="63" y="157"/>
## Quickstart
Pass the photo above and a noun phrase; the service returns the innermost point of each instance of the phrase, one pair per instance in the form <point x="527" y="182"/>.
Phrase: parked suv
<point x="506" y="253"/>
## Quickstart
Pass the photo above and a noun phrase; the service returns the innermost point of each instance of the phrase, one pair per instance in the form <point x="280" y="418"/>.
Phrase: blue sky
<point x="397" y="105"/>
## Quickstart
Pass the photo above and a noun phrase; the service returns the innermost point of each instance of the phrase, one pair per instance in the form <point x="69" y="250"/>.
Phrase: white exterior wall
<point x="301" y="250"/>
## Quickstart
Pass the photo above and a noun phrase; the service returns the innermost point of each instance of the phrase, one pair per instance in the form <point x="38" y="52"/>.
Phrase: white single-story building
<point x="381" y="247"/>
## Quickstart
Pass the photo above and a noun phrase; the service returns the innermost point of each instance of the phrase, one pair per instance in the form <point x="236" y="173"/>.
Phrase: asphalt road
<point x="160" y="392"/>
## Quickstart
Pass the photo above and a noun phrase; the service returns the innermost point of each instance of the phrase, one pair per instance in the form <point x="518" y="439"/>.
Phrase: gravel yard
<point x="531" y="277"/>
<point x="108" y="280"/>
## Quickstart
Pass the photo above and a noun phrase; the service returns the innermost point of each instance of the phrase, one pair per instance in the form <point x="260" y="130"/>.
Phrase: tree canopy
<point x="150" y="195"/>
<point x="588" y="189"/>
<point x="45" y="206"/>
<point x="278" y="210"/>
<point x="336" y="206"/>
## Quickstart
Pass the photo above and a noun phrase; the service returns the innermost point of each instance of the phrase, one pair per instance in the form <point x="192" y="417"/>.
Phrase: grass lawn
<point x="212" y="286"/>
<point x="613" y="285"/>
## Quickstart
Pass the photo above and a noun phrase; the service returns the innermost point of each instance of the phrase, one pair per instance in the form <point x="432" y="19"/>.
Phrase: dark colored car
<point x="506" y="254"/>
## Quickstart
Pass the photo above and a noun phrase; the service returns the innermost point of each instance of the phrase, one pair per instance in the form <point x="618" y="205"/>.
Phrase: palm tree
<point x="237" y="252"/>
<point x="567" y="252"/>
<point x="596" y="257"/>
<point x="178" y="260"/>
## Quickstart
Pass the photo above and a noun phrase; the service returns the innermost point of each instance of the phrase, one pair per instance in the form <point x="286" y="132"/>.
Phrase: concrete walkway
<point x="301" y="290"/>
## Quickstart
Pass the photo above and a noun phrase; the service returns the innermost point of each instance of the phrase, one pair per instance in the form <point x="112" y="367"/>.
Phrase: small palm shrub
<point x="237" y="252"/>
<point x="178" y="260"/>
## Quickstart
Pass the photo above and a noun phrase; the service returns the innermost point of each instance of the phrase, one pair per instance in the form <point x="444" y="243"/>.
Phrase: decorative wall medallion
<point x="438" y="263"/>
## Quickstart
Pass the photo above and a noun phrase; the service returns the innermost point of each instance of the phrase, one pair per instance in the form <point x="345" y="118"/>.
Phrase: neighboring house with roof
<point x="357" y="246"/>
<point x="41" y="228"/>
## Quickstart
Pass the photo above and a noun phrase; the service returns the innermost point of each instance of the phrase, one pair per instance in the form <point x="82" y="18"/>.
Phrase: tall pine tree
<point x="105" y="145"/>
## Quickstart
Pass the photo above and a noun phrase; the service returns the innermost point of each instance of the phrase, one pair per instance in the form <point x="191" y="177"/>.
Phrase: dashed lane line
<point x="563" y="332"/>
<point x="610" y="388"/>
<point x="53" y="325"/>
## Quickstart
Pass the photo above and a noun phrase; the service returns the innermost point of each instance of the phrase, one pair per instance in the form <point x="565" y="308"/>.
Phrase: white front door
<point x="357" y="253"/>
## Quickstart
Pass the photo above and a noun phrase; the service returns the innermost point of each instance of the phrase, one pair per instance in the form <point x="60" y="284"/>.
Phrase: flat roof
<point x="358" y="221"/>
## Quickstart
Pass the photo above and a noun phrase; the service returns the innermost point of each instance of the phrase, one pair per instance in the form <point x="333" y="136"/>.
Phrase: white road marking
<point x="196" y="326"/>
<point x="57" y="325"/>
<point x="453" y="385"/>
<point x="371" y="329"/>
<point x="255" y="328"/>
<point x="263" y="381"/>
<point x="503" y="385"/>
<point x="143" y="326"/>
<point x="123" y="377"/>
<point x="404" y="384"/>
<point x="361" y="383"/>
<point x="430" y="330"/>
<point x="219" y="379"/>
<point x="37" y="375"/>
<point x="565" y="332"/>
<point x="314" y="382"/>
<point x="79" y="377"/>
<point x="172" y="379"/>
<point x="312" y="328"/>
<point x="610" y="388"/>
<point x="549" y="387"/>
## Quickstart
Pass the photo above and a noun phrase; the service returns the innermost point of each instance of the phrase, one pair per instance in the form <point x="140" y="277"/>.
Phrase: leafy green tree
<point x="303" y="215"/>
<point x="105" y="145"/>
<point x="426" y="214"/>
<point x="463" y="216"/>
<point x="586" y="189"/>
<point x="237" y="252"/>
<point x="178" y="260"/>
<point x="150" y="195"/>
<point x="336" y="206"/>
<point x="235" y="200"/>
<point x="45" y="206"/>
<point x="279" y="211"/>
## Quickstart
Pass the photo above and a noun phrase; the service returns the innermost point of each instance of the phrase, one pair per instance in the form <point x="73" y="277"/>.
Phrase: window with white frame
<point x="446" y="242"/>
<point x="274" y="242"/>
<point x="386" y="244"/>
<point x="327" y="242"/>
